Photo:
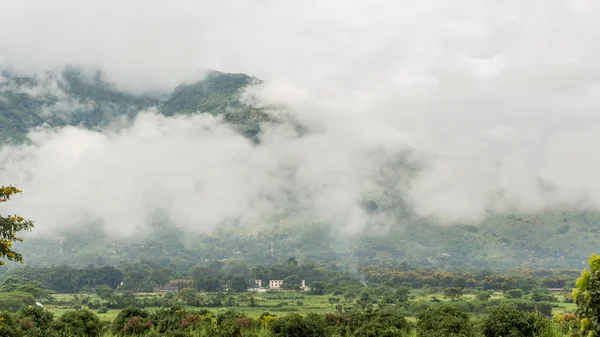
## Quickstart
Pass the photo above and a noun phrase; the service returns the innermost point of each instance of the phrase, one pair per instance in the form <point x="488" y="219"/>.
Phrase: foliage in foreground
<point x="441" y="320"/>
<point x="9" y="227"/>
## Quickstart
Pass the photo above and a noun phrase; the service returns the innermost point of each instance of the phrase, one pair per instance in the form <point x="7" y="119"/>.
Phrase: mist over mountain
<point x="355" y="214"/>
<point x="455" y="135"/>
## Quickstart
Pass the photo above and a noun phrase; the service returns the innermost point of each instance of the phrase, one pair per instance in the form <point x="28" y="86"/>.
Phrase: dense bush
<point x="41" y="318"/>
<point x="14" y="300"/>
<point x="78" y="323"/>
<point x="9" y="325"/>
<point x="294" y="325"/>
<point x="122" y="319"/>
<point x="442" y="321"/>
<point x="507" y="320"/>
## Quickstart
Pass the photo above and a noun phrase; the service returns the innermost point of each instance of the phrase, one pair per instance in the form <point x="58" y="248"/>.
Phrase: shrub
<point x="444" y="320"/>
<point x="514" y="293"/>
<point x="79" y="323"/>
<point x="506" y="320"/>
<point x="294" y="325"/>
<point x="103" y="310"/>
<point x="198" y="320"/>
<point x="9" y="325"/>
<point x="124" y="316"/>
<point x="137" y="326"/>
<point x="168" y="319"/>
<point x="38" y="316"/>
<point x="14" y="300"/>
<point x="484" y="296"/>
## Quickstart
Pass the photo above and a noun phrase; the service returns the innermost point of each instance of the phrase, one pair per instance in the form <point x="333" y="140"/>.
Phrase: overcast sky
<point x="497" y="94"/>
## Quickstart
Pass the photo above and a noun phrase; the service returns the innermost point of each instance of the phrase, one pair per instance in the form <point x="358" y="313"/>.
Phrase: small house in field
<point x="174" y="286"/>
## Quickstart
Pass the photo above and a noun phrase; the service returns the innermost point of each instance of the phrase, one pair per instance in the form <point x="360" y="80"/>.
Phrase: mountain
<point x="543" y="240"/>
<point x="553" y="239"/>
<point x="73" y="98"/>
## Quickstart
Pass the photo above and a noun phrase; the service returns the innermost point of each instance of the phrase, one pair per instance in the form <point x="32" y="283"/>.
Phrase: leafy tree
<point x="14" y="300"/>
<point x="188" y="296"/>
<point x="401" y="294"/>
<point x="317" y="288"/>
<point x="294" y="325"/>
<point x="541" y="295"/>
<point x="79" y="323"/>
<point x="587" y="297"/>
<point x="9" y="227"/>
<point x="514" y="293"/>
<point x="444" y="320"/>
<point x="40" y="317"/>
<point x="236" y="266"/>
<point x="15" y="283"/>
<point x="239" y="283"/>
<point x="104" y="292"/>
<point x="484" y="296"/>
<point x="124" y="316"/>
<point x="453" y="293"/>
<point x="137" y="326"/>
<point x="291" y="282"/>
<point x="8" y="325"/>
<point x="506" y="321"/>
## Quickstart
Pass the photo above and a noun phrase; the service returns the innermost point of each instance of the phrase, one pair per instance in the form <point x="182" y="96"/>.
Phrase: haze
<point x="497" y="104"/>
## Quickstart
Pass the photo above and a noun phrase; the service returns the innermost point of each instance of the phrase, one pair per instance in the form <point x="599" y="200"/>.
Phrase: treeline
<point x="440" y="320"/>
<point x="236" y="275"/>
<point x="70" y="280"/>
<point x="526" y="279"/>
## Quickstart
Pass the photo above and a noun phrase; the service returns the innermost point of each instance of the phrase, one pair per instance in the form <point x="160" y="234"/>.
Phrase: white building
<point x="275" y="284"/>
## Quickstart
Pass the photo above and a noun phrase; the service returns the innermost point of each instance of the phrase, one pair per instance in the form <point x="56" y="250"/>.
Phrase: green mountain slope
<point x="548" y="240"/>
<point x="545" y="239"/>
<point x="219" y="94"/>
<point x="72" y="98"/>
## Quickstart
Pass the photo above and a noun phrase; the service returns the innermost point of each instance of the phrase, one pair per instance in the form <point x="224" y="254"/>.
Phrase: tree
<point x="317" y="288"/>
<point x="294" y="325"/>
<point x="40" y="317"/>
<point x="514" y="293"/>
<point x="453" y="293"/>
<point x="292" y="282"/>
<point x="104" y="292"/>
<point x="124" y="317"/>
<point x="484" y="296"/>
<point x="8" y="325"/>
<point x="587" y="297"/>
<point x="442" y="321"/>
<point x="78" y="323"/>
<point x="188" y="296"/>
<point x="14" y="300"/>
<point x="239" y="283"/>
<point x="9" y="227"/>
<point x="508" y="320"/>
<point x="401" y="294"/>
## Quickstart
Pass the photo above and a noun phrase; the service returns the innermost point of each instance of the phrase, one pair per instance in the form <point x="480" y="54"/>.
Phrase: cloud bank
<point x="498" y="102"/>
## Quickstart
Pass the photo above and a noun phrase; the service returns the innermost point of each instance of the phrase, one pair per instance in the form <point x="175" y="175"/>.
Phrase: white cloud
<point x="498" y="94"/>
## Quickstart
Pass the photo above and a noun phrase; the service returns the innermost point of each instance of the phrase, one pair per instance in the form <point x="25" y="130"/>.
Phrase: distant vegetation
<point x="74" y="98"/>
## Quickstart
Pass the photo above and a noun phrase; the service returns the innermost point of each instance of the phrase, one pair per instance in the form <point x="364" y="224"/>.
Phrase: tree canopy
<point x="9" y="227"/>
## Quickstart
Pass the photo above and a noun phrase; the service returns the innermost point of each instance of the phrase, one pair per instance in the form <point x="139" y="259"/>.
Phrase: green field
<point x="280" y="307"/>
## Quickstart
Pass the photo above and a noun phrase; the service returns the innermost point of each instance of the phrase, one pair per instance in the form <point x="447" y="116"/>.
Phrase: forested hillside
<point x="559" y="239"/>
<point x="549" y="240"/>
<point x="72" y="97"/>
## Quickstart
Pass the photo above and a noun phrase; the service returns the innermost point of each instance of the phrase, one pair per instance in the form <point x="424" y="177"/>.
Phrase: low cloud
<point x="470" y="108"/>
